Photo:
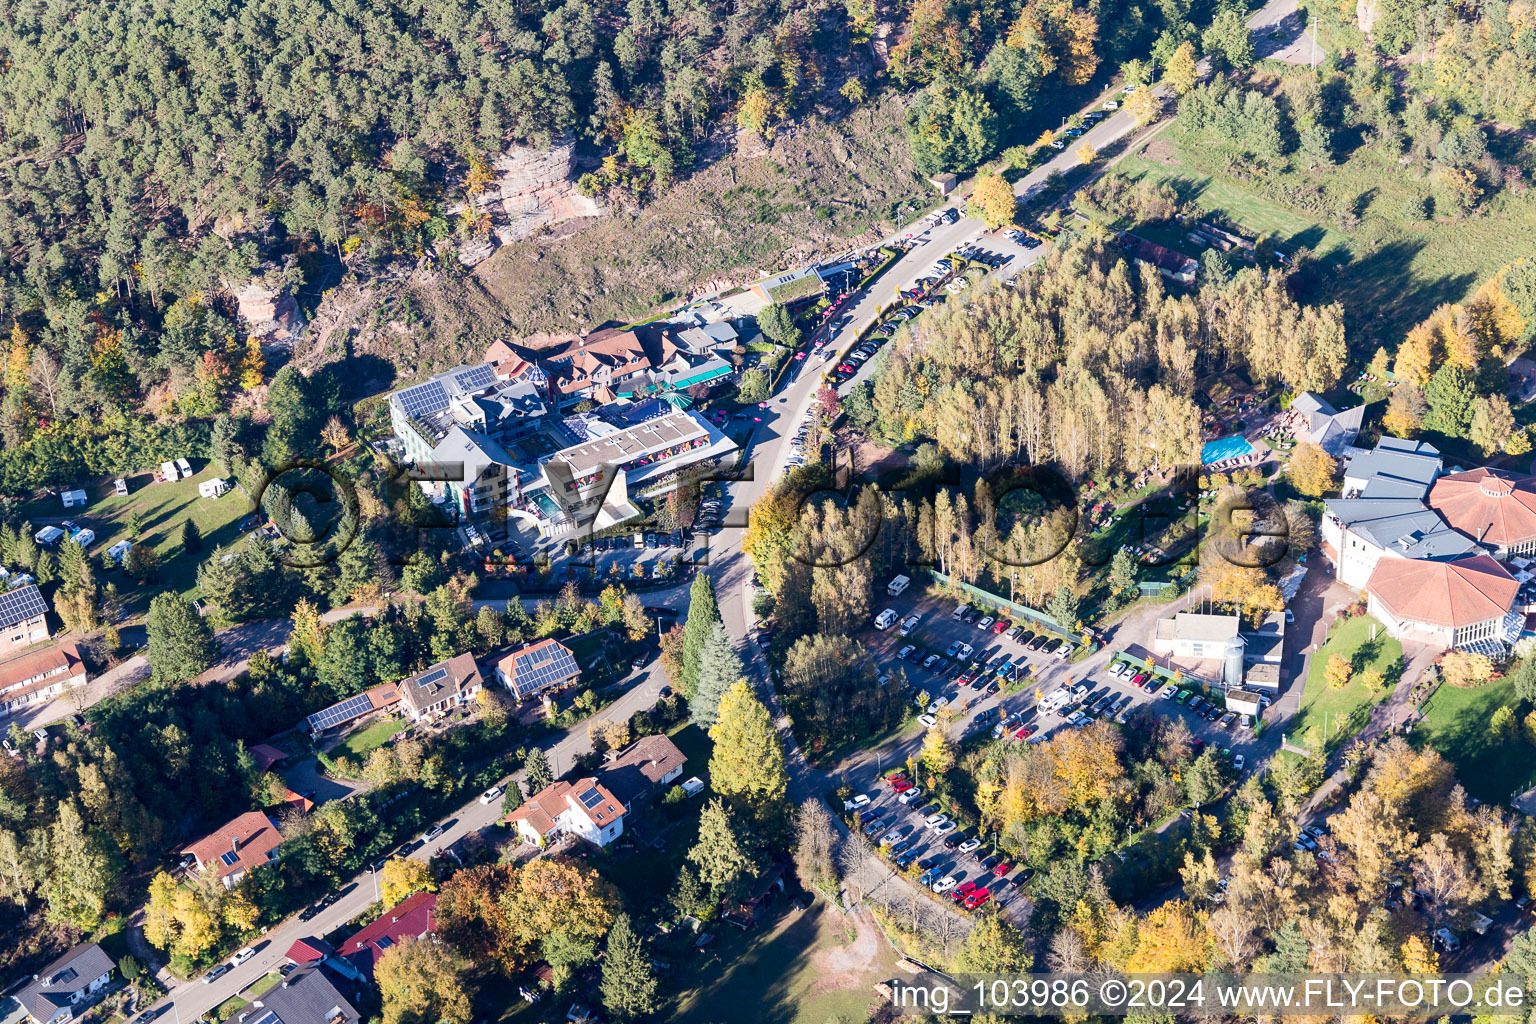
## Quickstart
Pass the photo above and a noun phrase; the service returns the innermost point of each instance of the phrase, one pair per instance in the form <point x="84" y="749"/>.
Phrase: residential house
<point x="443" y="686"/>
<point x="411" y="918"/>
<point x="306" y="996"/>
<point x="39" y="676"/>
<point x="243" y="844"/>
<point x="1173" y="265"/>
<point x="23" y="617"/>
<point x="643" y="769"/>
<point x="67" y="986"/>
<point x="537" y="669"/>
<point x="583" y="808"/>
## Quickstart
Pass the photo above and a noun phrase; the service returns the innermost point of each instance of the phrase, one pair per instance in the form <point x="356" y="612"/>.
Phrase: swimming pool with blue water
<point x="1225" y="448"/>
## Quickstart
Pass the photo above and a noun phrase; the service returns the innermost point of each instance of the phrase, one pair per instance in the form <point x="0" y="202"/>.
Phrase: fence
<point x="1015" y="610"/>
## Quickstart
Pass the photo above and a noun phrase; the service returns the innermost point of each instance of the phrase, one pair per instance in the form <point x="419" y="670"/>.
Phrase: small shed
<point x="48" y="536"/>
<point x="120" y="487"/>
<point x="214" y="488"/>
<point x="944" y="182"/>
<point x="74" y="498"/>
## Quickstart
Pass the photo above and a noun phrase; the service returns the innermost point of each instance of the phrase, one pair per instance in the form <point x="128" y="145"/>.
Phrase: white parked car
<point x="1117" y="670"/>
<point x="934" y="819"/>
<point x="858" y="800"/>
<point x="970" y="845"/>
<point x="1064" y="652"/>
<point x="966" y="650"/>
<point x="945" y="828"/>
<point x="901" y="655"/>
<point x="928" y="721"/>
<point x="1239" y="762"/>
<point x="491" y="795"/>
<point x="985" y="622"/>
<point x="891" y="838"/>
<point x="1169" y="691"/>
<point x="910" y="795"/>
<point x="945" y="884"/>
<point x="241" y="957"/>
<point x="1111" y="104"/>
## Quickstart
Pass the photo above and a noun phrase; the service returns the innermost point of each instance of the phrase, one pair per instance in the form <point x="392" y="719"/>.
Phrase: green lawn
<point x="1456" y="724"/>
<point x="801" y="968"/>
<point x="1389" y="272"/>
<point x="363" y="742"/>
<point x="1343" y="712"/>
<point x="163" y="508"/>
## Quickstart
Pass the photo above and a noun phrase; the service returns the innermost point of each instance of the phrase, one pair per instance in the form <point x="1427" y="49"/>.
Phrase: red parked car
<point x="963" y="891"/>
<point x="899" y="773"/>
<point x="977" y="898"/>
<point x="1001" y="626"/>
<point x="1002" y="869"/>
<point x="901" y="785"/>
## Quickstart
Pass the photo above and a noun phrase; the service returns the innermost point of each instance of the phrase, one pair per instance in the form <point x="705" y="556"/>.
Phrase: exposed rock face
<point x="534" y="189"/>
<point x="1366" y="13"/>
<point x="269" y="310"/>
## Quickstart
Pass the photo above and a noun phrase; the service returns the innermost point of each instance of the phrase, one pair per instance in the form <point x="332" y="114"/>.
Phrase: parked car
<point x="985" y="623"/>
<point x="977" y="898"/>
<point x="901" y="655"/>
<point x="857" y="801"/>
<point x="944" y="829"/>
<point x="217" y="973"/>
<point x="945" y="884"/>
<point x="910" y="795"/>
<point x="432" y="833"/>
<point x="928" y="721"/>
<point x="1169" y="692"/>
<point x="970" y="844"/>
<point x="491" y="795"/>
<point x="241" y="957"/>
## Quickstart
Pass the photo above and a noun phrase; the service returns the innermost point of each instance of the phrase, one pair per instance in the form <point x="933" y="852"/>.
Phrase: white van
<point x="885" y="619"/>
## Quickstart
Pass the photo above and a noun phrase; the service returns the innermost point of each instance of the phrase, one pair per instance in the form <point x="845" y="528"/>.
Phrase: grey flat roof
<point x="1396" y="469"/>
<point x="1403" y="525"/>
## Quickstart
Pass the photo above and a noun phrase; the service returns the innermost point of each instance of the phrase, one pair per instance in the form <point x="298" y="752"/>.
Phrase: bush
<point x="675" y="795"/>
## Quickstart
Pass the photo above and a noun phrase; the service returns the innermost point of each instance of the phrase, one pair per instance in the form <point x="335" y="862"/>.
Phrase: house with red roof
<point x="411" y="918"/>
<point x="237" y="847"/>
<point x="583" y="807"/>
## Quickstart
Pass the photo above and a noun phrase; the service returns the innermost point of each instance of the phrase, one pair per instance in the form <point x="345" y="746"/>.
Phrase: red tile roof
<point x="249" y="839"/>
<point x="309" y="950"/>
<point x="553" y="800"/>
<point x="1458" y="593"/>
<point x="44" y="668"/>
<point x="1491" y="506"/>
<point x="411" y="918"/>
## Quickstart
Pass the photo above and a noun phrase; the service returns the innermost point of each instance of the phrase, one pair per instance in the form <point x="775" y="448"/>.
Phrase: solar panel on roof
<point x="475" y="378"/>
<point x="339" y="713"/>
<point x="424" y="399"/>
<point x="21" y="604"/>
<point x="433" y="676"/>
<point x="230" y="859"/>
<point x="591" y="798"/>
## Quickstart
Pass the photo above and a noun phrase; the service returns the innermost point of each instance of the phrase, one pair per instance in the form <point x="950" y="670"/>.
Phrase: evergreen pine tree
<point x="722" y="861"/>
<point x="629" y="984"/>
<point x="180" y="643"/>
<point x="719" y="669"/>
<point x="536" y="770"/>
<point x="191" y="536"/>
<point x="703" y="613"/>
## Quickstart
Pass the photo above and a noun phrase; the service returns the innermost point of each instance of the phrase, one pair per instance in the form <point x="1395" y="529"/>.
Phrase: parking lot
<point x="979" y="702"/>
<point x="897" y="821"/>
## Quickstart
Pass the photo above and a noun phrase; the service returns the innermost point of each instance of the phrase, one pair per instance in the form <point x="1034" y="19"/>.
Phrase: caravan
<point x="885" y="619"/>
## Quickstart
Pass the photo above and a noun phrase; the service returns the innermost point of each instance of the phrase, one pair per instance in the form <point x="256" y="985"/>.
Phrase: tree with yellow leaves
<point x="1338" y="671"/>
<point x="1418" y="958"/>
<point x="993" y="201"/>
<point x="558" y="895"/>
<point x="1182" y="71"/>
<point x="421" y="982"/>
<point x="335" y="434"/>
<point x="1172" y="939"/>
<point x="401" y="877"/>
<point x="253" y="365"/>
<point x="1312" y="470"/>
<point x="938" y="753"/>
<point x="1085" y="153"/>
<point x="1144" y="106"/>
<point x="758" y="112"/>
